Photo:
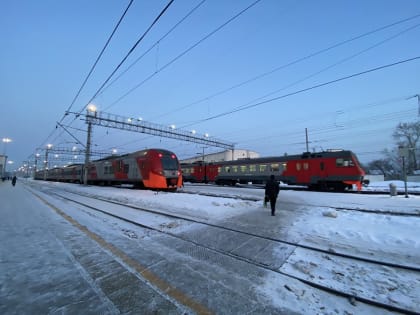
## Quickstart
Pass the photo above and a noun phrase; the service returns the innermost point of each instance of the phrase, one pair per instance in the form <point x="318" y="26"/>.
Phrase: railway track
<point x="301" y="188"/>
<point x="414" y="212"/>
<point x="291" y="266"/>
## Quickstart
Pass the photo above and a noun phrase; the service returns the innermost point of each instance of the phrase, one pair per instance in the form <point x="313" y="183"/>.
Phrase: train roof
<point x="140" y="152"/>
<point x="284" y="158"/>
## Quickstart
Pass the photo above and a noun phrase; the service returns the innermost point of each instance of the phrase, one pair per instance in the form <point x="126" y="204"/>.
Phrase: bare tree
<point x="384" y="166"/>
<point x="408" y="135"/>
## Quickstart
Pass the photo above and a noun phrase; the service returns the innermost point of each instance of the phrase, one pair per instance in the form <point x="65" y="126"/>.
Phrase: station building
<point x="227" y="155"/>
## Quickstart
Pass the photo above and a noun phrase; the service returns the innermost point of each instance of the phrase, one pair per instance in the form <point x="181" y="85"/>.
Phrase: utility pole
<point x="418" y="102"/>
<point x="307" y="142"/>
<point x="91" y="110"/>
<point x="49" y="146"/>
<point x="404" y="154"/>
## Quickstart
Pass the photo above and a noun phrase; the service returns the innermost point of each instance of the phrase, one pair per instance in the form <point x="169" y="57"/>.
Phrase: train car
<point x="199" y="172"/>
<point x="329" y="170"/>
<point x="72" y="174"/>
<point x="152" y="168"/>
<point x="39" y="175"/>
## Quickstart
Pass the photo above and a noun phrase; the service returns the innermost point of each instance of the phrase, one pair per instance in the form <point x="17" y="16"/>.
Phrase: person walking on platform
<point x="14" y="180"/>
<point x="272" y="191"/>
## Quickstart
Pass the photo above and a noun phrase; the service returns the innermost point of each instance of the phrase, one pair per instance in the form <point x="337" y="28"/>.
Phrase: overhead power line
<point x="128" y="54"/>
<point x="97" y="59"/>
<point x="182" y="54"/>
<point x="298" y="60"/>
<point x="305" y="90"/>
<point x="120" y="64"/>
<point x="93" y="67"/>
<point x="153" y="46"/>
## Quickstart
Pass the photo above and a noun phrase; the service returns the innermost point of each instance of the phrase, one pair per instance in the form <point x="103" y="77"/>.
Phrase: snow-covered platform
<point x="48" y="266"/>
<point x="57" y="257"/>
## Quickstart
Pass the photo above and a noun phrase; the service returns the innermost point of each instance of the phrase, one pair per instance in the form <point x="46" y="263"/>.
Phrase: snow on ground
<point x="319" y="222"/>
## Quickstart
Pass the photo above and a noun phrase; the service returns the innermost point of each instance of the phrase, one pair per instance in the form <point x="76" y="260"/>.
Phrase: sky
<point x="314" y="220"/>
<point x="253" y="73"/>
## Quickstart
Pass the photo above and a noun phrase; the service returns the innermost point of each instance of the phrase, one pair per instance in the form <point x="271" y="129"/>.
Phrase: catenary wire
<point x="305" y="90"/>
<point x="120" y="64"/>
<point x="97" y="59"/>
<point x="153" y="46"/>
<point x="314" y="54"/>
<point x="181" y="54"/>
<point x="128" y="54"/>
<point x="93" y="67"/>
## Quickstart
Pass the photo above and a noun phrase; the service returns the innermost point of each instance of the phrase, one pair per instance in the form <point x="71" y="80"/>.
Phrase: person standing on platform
<point x="272" y="191"/>
<point x="14" y="180"/>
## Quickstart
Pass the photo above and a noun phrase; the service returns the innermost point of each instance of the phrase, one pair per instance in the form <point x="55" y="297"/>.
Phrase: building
<point x="3" y="161"/>
<point x="226" y="155"/>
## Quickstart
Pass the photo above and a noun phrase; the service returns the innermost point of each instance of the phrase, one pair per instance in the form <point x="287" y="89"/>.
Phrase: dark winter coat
<point x="272" y="188"/>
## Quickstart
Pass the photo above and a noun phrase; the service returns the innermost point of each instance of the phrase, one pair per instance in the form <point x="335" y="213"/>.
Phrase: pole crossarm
<point x="67" y="151"/>
<point x="137" y="125"/>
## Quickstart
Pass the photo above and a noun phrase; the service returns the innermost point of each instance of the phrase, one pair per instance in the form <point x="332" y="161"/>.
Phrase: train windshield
<point x="169" y="162"/>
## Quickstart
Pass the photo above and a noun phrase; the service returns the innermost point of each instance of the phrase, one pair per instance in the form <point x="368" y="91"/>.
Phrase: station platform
<point x="48" y="266"/>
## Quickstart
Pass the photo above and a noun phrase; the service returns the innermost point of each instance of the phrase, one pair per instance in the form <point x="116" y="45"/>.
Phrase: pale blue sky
<point x="48" y="47"/>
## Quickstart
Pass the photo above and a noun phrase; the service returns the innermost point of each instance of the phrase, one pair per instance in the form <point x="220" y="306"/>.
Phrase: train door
<point x="303" y="171"/>
<point x="322" y="169"/>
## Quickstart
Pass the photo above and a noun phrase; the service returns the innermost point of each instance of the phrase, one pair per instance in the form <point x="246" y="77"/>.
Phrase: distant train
<point x="153" y="168"/>
<point x="336" y="170"/>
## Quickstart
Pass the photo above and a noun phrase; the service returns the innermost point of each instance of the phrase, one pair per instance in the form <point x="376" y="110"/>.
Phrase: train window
<point x="275" y="167"/>
<point x="284" y="165"/>
<point x="227" y="169"/>
<point x="252" y="168"/>
<point x="169" y="163"/>
<point x="243" y="168"/>
<point x="235" y="169"/>
<point x="298" y="166"/>
<point x="126" y="168"/>
<point x="263" y="168"/>
<point x="343" y="162"/>
<point x="306" y="166"/>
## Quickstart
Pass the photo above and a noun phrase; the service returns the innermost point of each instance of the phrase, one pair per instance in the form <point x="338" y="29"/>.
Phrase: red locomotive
<point x="153" y="168"/>
<point x="329" y="170"/>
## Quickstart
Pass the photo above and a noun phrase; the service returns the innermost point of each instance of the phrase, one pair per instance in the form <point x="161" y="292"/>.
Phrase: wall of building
<point x="413" y="178"/>
<point x="224" y="156"/>
<point x="3" y="160"/>
<point x="374" y="178"/>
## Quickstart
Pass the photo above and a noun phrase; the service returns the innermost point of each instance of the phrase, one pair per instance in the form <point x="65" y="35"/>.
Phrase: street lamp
<point x="5" y="141"/>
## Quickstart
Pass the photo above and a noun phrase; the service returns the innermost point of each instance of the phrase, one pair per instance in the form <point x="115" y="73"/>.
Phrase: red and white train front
<point x="159" y="169"/>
